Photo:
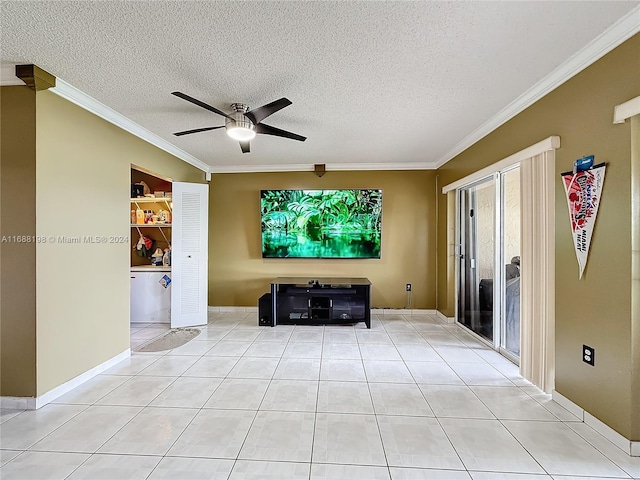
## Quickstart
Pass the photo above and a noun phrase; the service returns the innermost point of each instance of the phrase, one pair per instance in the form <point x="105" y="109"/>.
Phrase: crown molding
<point x="383" y="166"/>
<point x="303" y="167"/>
<point x="72" y="94"/>
<point x="292" y="167"/>
<point x="619" y="32"/>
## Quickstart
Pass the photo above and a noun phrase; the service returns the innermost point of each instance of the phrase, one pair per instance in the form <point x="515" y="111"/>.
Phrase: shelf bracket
<point x="165" y="237"/>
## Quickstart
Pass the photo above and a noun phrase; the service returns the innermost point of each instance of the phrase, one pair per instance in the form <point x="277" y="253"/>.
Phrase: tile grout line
<point x="436" y="417"/>
<point x="163" y="456"/>
<point x="237" y="456"/>
<point x="613" y="445"/>
<point x="315" y="413"/>
<point x="384" y="450"/>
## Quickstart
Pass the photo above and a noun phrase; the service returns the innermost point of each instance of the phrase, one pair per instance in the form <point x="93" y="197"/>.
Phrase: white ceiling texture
<point x="374" y="85"/>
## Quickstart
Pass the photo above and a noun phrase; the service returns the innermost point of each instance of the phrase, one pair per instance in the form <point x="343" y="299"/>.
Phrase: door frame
<point x="502" y="261"/>
<point x="459" y="231"/>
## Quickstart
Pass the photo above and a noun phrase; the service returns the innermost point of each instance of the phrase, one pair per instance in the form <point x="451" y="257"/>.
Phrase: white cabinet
<point x="150" y="295"/>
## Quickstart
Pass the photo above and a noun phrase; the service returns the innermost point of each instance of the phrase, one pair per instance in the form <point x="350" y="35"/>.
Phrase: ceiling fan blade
<point x="187" y="132"/>
<point x="245" y="146"/>
<point x="199" y="103"/>
<point x="258" y="114"/>
<point x="269" y="130"/>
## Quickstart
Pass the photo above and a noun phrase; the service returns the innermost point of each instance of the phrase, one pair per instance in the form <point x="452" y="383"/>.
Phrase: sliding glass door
<point x="489" y="260"/>
<point x="476" y="257"/>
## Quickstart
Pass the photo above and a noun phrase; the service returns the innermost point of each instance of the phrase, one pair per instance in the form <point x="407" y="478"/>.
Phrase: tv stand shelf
<point x="320" y="301"/>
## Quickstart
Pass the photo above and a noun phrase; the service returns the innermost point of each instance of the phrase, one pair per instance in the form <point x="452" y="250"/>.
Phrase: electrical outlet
<point x="408" y="287"/>
<point x="588" y="355"/>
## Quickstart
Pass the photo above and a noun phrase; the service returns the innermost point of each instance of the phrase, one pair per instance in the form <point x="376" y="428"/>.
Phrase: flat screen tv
<point x="321" y="223"/>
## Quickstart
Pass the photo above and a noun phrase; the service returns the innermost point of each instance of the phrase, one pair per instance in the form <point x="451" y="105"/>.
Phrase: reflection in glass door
<point x="510" y="257"/>
<point x="476" y="257"/>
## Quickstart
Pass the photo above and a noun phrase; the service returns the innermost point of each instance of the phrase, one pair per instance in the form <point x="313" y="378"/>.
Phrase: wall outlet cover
<point x="589" y="355"/>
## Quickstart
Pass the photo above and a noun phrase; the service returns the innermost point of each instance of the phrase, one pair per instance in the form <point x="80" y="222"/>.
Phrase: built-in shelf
<point x="168" y="225"/>
<point x="150" y="268"/>
<point x="150" y="206"/>
<point x="148" y="201"/>
<point x="152" y="200"/>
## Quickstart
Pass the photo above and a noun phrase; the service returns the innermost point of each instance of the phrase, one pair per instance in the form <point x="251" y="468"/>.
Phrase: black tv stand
<point x="320" y="301"/>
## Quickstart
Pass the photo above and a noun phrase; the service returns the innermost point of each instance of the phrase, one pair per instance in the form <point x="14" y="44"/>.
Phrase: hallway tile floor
<point x="412" y="398"/>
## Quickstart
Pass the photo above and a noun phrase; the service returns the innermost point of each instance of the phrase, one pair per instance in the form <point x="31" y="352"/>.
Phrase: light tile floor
<point x="410" y="399"/>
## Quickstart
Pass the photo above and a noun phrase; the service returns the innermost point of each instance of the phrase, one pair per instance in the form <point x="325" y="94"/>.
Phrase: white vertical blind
<point x="537" y="271"/>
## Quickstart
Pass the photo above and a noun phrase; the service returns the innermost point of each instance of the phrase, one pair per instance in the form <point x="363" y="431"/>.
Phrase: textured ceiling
<point x="371" y="82"/>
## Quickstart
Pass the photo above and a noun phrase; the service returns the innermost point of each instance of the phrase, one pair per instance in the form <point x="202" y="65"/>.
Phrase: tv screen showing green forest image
<point x="321" y="223"/>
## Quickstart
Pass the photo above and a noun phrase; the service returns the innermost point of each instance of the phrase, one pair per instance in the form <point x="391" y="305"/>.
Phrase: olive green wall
<point x="597" y="309"/>
<point x="71" y="180"/>
<point x="17" y="260"/>
<point x="238" y="275"/>
<point x="83" y="189"/>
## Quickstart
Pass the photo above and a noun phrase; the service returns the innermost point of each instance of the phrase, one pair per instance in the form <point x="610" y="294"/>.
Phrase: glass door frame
<point x="459" y="256"/>
<point x="499" y="303"/>
<point x="499" y="299"/>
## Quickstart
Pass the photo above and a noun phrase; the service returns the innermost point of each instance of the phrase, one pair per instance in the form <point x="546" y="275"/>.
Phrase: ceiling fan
<point x="242" y="124"/>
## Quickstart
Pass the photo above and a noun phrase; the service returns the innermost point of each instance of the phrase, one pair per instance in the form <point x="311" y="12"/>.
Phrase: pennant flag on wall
<point x="583" y="189"/>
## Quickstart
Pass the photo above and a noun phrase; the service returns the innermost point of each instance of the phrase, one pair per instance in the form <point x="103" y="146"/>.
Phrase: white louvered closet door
<point x="189" y="254"/>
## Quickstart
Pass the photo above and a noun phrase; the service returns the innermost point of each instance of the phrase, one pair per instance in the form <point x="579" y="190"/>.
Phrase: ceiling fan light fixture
<point x="241" y="124"/>
<point x="241" y="133"/>
<point x="239" y="127"/>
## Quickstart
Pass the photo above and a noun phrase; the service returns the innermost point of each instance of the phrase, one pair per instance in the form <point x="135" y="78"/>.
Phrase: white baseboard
<point x="211" y="309"/>
<point x="445" y="319"/>
<point x="18" y="403"/>
<point x="627" y="446"/>
<point x="394" y="311"/>
<point x="402" y="311"/>
<point x="375" y="311"/>
<point x="33" y="403"/>
<point x="567" y="404"/>
<point x="610" y="434"/>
